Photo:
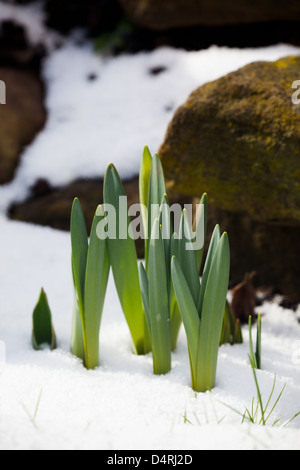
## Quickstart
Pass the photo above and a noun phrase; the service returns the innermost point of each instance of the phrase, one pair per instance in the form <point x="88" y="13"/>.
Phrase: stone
<point x="21" y="118"/>
<point x="271" y="251"/>
<point x="51" y="207"/>
<point x="166" y="14"/>
<point x="275" y="263"/>
<point x="95" y="15"/>
<point x="238" y="140"/>
<point x="16" y="49"/>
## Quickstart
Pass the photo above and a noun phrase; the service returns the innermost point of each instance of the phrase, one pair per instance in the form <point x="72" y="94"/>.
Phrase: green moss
<point x="238" y="139"/>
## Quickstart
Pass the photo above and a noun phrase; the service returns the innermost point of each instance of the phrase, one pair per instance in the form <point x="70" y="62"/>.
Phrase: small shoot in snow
<point x="42" y="326"/>
<point x="255" y="357"/>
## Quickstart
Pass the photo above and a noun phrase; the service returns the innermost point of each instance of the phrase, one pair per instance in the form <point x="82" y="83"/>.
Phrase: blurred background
<point x="205" y="83"/>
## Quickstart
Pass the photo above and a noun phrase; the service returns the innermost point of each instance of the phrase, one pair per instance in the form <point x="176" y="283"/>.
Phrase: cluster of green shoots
<point x="156" y="296"/>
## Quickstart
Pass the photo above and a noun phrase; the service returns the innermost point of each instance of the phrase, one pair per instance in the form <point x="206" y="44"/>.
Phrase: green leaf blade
<point x="97" y="271"/>
<point x="211" y="251"/>
<point x="157" y="190"/>
<point x="258" y="342"/>
<point x="187" y="257"/>
<point x="123" y="259"/>
<point x="42" y="326"/>
<point x="188" y="311"/>
<point x="212" y="315"/>
<point x="200" y="223"/>
<point x="77" y="343"/>
<point x="144" y="181"/>
<point x="159" y="307"/>
<point x="79" y="242"/>
<point x="145" y="293"/>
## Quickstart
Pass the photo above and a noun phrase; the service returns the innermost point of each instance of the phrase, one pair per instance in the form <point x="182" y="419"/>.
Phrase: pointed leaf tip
<point x="42" y="327"/>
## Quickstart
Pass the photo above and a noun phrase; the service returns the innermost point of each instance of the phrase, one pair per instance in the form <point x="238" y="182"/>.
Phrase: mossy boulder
<point x="21" y="118"/>
<point x="238" y="139"/>
<point x="269" y="250"/>
<point x="165" y="14"/>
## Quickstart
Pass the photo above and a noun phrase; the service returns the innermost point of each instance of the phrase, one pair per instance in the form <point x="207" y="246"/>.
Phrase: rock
<point x="244" y="299"/>
<point x="15" y="48"/>
<point x="238" y="139"/>
<point x="21" y="118"/>
<point x="95" y="15"/>
<point x="162" y="15"/>
<point x="275" y="263"/>
<point x="269" y="250"/>
<point x="52" y="206"/>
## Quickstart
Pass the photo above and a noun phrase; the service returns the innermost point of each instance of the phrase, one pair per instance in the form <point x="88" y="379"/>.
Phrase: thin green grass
<point x="256" y="357"/>
<point x="259" y="413"/>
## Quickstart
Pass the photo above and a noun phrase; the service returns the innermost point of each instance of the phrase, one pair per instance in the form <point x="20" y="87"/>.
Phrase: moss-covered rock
<point x="269" y="250"/>
<point x="238" y="139"/>
<point x="165" y="14"/>
<point x="21" y="118"/>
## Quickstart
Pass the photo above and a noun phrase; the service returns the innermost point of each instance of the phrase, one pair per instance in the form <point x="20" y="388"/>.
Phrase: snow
<point x="47" y="399"/>
<point x="110" y="118"/>
<point x="122" y="405"/>
<point x="32" y="18"/>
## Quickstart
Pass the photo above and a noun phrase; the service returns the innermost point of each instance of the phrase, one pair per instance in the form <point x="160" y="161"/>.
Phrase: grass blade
<point x="263" y="420"/>
<point x="252" y="356"/>
<point x="258" y="343"/>
<point x="290" y="420"/>
<point x="42" y="327"/>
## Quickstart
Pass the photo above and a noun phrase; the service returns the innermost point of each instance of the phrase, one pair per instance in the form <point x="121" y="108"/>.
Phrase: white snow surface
<point x="110" y="118"/>
<point x="122" y="405"/>
<point x="32" y="18"/>
<point x="47" y="399"/>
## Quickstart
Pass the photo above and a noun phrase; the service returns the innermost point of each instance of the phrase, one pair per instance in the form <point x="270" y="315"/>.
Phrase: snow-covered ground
<point x="122" y="405"/>
<point x="47" y="399"/>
